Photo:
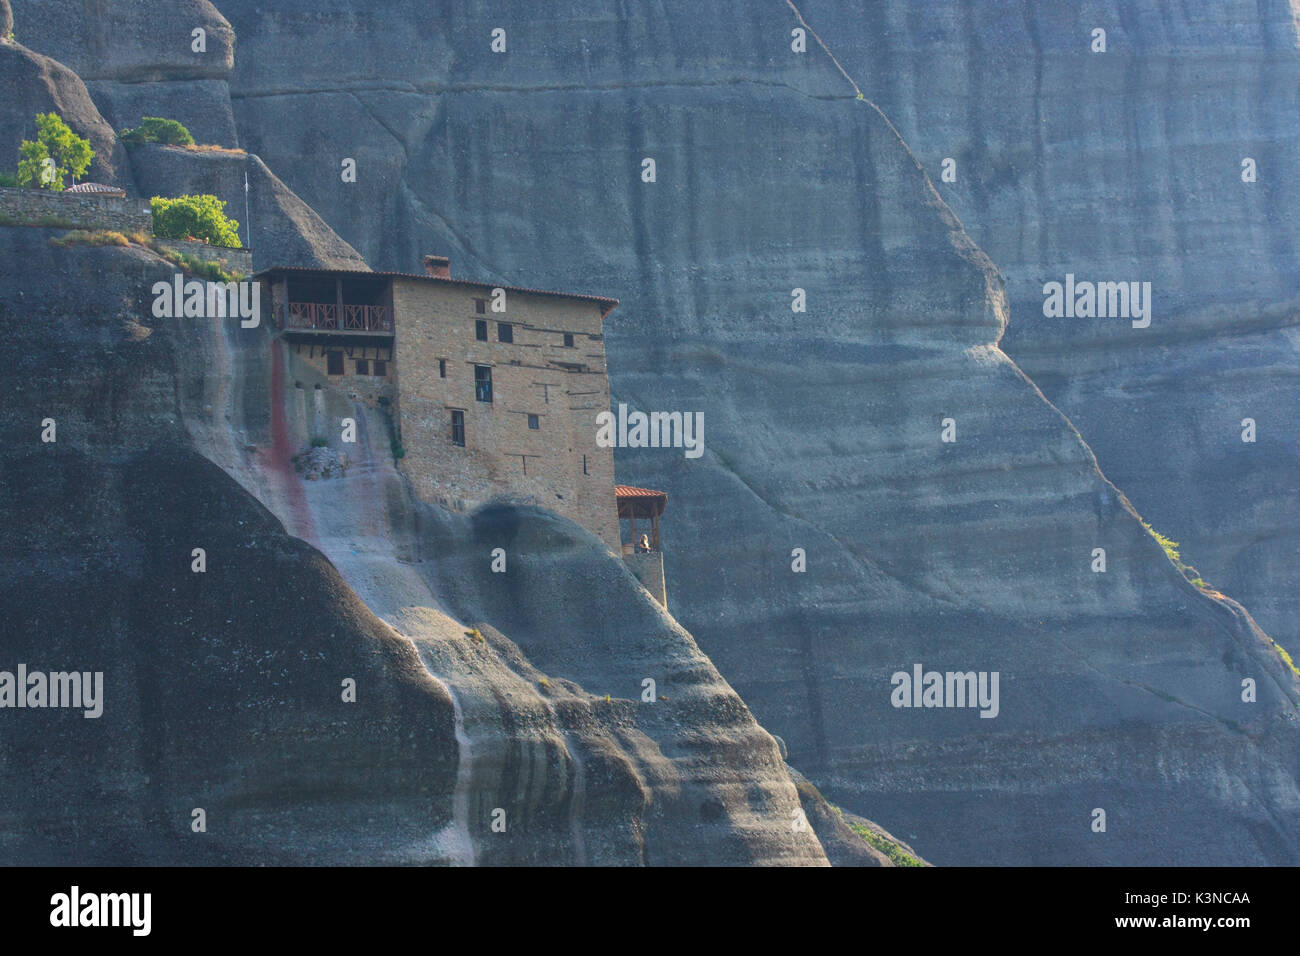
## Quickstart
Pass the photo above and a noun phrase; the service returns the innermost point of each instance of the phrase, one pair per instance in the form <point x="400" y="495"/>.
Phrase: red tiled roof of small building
<point x="631" y="491"/>
<point x="641" y="502"/>
<point x="98" y="188"/>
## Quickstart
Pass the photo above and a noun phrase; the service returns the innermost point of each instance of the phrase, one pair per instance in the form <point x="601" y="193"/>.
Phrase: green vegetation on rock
<point x="896" y="854"/>
<point x="56" y="152"/>
<point x="156" y="129"/>
<point x="195" y="217"/>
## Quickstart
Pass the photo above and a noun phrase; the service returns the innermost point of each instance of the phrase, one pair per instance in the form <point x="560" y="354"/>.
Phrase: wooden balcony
<point x="335" y="319"/>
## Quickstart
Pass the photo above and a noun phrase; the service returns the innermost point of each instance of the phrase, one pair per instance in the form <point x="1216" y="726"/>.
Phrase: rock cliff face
<point x="1120" y="691"/>
<point x="480" y="698"/>
<point x="34" y="84"/>
<point x="142" y="59"/>
<point x="1128" y="165"/>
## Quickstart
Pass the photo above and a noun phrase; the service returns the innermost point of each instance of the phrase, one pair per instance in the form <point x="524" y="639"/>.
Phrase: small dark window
<point x="568" y="340"/>
<point x="505" y="332"/>
<point x="442" y="368"/>
<point x="480" y="306"/>
<point x="381" y="367"/>
<point x="458" y="428"/>
<point x="483" y="383"/>
<point x="534" y="422"/>
<point x="480" y="329"/>
<point x="363" y="366"/>
<point x="335" y="366"/>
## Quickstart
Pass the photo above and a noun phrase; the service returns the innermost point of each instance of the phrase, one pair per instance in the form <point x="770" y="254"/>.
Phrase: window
<point x="568" y="340"/>
<point x="381" y="367"/>
<point x="483" y="383"/>
<point x="534" y="422"/>
<point x="335" y="366"/>
<point x="480" y="306"/>
<point x="363" y="366"/>
<point x="458" y="428"/>
<point x="480" y="329"/>
<point x="505" y="332"/>
<point x="584" y="464"/>
<point x="442" y="368"/>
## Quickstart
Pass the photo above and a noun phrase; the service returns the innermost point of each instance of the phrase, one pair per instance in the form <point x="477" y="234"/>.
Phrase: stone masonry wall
<point x="557" y="465"/>
<point x="32" y="207"/>
<point x="377" y="391"/>
<point x="236" y="260"/>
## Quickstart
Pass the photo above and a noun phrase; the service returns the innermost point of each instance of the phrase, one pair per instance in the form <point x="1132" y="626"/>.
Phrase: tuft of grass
<point x="896" y="854"/>
<point x="1172" y="551"/>
<point x="543" y="683"/>
<point x="476" y="635"/>
<point x="1287" y="658"/>
<point x="90" y="237"/>
<point x="212" y="148"/>
<point x="191" y="263"/>
<point x="1171" y="547"/>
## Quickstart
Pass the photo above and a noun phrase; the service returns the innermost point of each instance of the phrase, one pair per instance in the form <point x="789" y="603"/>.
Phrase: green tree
<point x="55" y="153"/>
<point x="155" y="129"/>
<point x="198" y="217"/>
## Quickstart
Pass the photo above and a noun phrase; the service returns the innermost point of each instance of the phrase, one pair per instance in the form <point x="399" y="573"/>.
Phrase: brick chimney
<point x="438" y="266"/>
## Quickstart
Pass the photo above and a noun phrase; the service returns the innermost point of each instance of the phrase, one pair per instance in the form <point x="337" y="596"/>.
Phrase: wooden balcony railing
<point x="330" y="317"/>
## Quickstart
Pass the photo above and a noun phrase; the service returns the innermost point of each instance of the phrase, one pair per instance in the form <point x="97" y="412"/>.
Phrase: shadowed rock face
<point x="1119" y="690"/>
<point x="139" y="59"/>
<point x="36" y="84"/>
<point x="285" y="230"/>
<point x="129" y="41"/>
<point x="224" y="690"/>
<point x="1127" y="165"/>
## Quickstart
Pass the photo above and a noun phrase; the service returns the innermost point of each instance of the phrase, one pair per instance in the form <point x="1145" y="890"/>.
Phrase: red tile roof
<point x="630" y="491"/>
<point x="639" y="502"/>
<point x="95" y="188"/>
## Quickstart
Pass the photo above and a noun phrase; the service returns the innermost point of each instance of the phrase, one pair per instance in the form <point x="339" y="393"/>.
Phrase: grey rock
<point x="1127" y="165"/>
<point x="37" y="84"/>
<point x="223" y="690"/>
<point x="1120" y="690"/>
<point x="202" y="106"/>
<point x="285" y="231"/>
<point x="129" y="40"/>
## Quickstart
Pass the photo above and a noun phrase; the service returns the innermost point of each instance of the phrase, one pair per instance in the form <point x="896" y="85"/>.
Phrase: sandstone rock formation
<point x="1120" y="691"/>
<point x="1128" y="164"/>
<point x="475" y="693"/>
<point x="140" y="59"/>
<point x="284" y="229"/>
<point x="823" y="427"/>
<point x="36" y="84"/>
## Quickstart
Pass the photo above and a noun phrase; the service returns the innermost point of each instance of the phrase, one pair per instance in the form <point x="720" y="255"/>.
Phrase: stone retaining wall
<point x="37" y="207"/>
<point x="232" y="260"/>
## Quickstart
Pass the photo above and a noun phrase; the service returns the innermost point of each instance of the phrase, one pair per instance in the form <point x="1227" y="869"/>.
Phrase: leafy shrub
<point x="155" y="129"/>
<point x="7" y="179"/>
<point x="55" y="153"/>
<point x="195" y="217"/>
